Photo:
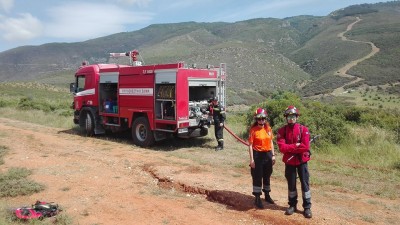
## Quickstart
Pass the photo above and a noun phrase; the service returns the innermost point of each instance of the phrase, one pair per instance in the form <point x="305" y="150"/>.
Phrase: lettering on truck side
<point x="136" y="91"/>
<point x="148" y="71"/>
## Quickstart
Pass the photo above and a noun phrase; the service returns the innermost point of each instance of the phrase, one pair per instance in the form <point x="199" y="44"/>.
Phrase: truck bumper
<point x="194" y="132"/>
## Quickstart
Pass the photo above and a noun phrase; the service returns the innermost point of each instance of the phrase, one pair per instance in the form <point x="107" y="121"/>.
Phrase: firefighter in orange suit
<point x="262" y="157"/>
<point x="294" y="142"/>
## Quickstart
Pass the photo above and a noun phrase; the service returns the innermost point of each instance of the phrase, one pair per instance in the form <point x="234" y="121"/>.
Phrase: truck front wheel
<point x="141" y="133"/>
<point x="88" y="128"/>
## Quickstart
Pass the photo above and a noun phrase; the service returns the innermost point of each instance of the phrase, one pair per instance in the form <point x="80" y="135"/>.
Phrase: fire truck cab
<point x="153" y="101"/>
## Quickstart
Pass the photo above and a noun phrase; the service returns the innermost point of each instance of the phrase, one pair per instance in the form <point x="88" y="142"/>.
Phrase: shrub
<point x="396" y="165"/>
<point x="327" y="121"/>
<point x="3" y="151"/>
<point x="323" y="119"/>
<point x="27" y="103"/>
<point x="352" y="114"/>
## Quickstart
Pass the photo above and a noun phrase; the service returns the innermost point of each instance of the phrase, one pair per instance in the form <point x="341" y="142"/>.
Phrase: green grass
<point x="14" y="183"/>
<point x="37" y="103"/>
<point x="3" y="151"/>
<point x="39" y="117"/>
<point x="372" y="97"/>
<point x="365" y="164"/>
<point x="369" y="147"/>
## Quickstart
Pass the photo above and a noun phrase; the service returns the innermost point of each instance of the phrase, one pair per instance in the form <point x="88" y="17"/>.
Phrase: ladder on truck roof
<point x="221" y="75"/>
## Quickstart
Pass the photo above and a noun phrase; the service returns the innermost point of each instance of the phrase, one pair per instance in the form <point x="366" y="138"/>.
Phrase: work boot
<point x="290" y="210"/>
<point x="307" y="213"/>
<point x="219" y="148"/>
<point x="258" y="202"/>
<point x="269" y="199"/>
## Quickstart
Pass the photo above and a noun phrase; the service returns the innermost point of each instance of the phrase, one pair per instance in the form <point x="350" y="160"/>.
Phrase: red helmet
<point x="261" y="113"/>
<point x="291" y="110"/>
<point x="212" y="99"/>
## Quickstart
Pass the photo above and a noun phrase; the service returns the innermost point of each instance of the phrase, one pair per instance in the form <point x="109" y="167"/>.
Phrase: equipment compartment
<point x="165" y="102"/>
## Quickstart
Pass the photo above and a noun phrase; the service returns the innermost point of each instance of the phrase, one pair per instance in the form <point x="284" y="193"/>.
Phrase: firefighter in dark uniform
<point x="218" y="114"/>
<point x="294" y="142"/>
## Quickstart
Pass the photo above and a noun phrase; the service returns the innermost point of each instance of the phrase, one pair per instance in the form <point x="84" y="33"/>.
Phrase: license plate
<point x="193" y="122"/>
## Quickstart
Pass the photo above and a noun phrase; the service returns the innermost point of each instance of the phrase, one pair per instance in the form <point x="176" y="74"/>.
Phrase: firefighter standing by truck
<point x="218" y="114"/>
<point x="294" y="142"/>
<point x="262" y="157"/>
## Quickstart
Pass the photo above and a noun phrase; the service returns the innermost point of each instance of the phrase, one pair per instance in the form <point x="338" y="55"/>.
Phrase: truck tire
<point x="203" y="132"/>
<point x="142" y="135"/>
<point x="88" y="128"/>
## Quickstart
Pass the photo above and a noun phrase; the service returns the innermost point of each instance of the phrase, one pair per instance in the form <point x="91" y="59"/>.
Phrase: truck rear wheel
<point x="88" y="124"/>
<point x="142" y="135"/>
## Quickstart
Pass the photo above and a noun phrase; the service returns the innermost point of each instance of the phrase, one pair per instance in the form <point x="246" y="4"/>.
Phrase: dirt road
<point x="343" y="71"/>
<point x="98" y="181"/>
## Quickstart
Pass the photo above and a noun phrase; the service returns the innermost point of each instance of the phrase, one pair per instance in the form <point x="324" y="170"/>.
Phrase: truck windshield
<point x="80" y="83"/>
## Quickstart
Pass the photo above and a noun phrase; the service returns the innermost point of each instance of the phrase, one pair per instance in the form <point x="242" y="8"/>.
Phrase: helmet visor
<point x="261" y="115"/>
<point x="290" y="111"/>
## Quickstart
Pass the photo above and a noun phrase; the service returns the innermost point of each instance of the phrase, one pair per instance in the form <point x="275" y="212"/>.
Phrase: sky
<point x="36" y="22"/>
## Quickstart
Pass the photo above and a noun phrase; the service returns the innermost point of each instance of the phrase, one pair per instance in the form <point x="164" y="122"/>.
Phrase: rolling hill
<point x="263" y="55"/>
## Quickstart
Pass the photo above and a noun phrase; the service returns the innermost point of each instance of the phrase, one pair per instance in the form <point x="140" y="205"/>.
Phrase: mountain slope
<point x="263" y="55"/>
<point x="325" y="53"/>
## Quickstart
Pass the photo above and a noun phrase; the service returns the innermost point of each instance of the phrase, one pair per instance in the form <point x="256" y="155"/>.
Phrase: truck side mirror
<point x="72" y="88"/>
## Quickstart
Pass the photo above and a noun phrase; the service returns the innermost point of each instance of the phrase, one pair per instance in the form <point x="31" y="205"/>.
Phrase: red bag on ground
<point x="38" y="211"/>
<point x="28" y="213"/>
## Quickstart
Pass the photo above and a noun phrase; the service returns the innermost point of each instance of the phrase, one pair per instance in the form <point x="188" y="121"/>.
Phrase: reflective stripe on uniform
<point x="256" y="189"/>
<point x="307" y="194"/>
<point x="292" y="194"/>
<point x="267" y="188"/>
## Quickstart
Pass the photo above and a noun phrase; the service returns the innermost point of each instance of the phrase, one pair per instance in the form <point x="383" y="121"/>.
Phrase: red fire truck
<point x="153" y="101"/>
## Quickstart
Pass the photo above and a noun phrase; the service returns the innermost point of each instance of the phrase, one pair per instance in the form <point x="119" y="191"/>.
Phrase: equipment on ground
<point x="153" y="101"/>
<point x="39" y="210"/>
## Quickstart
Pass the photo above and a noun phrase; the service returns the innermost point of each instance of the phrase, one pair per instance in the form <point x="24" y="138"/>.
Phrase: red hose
<point x="234" y="135"/>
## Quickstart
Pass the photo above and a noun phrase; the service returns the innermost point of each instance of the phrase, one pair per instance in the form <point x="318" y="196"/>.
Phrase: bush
<point x="4" y="103"/>
<point x="28" y="103"/>
<point x="396" y="165"/>
<point x="275" y="107"/>
<point x="320" y="118"/>
<point x="3" y="151"/>
<point x="352" y="114"/>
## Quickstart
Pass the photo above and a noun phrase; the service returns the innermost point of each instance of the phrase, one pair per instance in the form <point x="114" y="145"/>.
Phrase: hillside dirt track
<point x="98" y="181"/>
<point x="343" y="71"/>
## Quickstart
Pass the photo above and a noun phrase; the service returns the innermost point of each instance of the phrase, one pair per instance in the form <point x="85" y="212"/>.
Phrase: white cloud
<point x="24" y="27"/>
<point x="75" y="21"/>
<point x="6" y="5"/>
<point x="142" y="3"/>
